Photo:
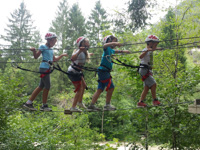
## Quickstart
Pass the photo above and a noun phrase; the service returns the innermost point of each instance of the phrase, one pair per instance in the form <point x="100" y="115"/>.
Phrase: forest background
<point x="176" y="70"/>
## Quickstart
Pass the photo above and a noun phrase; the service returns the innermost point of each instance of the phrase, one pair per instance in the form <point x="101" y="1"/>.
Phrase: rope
<point x="18" y="67"/>
<point x="124" y="64"/>
<point x="172" y="48"/>
<point x="124" y="44"/>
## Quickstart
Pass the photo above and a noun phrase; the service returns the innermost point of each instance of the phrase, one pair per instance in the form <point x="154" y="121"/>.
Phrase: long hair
<point x="87" y="54"/>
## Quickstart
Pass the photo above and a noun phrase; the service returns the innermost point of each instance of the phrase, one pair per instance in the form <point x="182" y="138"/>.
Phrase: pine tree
<point x="97" y="24"/>
<point x="76" y="24"/>
<point x="20" y="34"/>
<point x="60" y="24"/>
<point x="139" y="13"/>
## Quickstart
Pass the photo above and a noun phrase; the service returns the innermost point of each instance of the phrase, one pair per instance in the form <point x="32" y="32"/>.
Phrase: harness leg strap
<point x="146" y="75"/>
<point x="109" y="82"/>
<point x="44" y="74"/>
<point x="79" y="85"/>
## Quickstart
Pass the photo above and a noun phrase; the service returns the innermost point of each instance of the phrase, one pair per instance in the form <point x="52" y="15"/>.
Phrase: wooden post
<point x="146" y="130"/>
<point x="102" y="121"/>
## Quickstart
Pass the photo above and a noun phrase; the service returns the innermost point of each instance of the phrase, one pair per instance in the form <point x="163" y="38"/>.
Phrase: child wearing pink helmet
<point x="75" y="74"/>
<point x="146" y="71"/>
<point x="47" y="56"/>
<point x="105" y="79"/>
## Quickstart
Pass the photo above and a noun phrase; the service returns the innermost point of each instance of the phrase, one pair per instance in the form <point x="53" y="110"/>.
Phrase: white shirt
<point x="146" y="58"/>
<point x="80" y="59"/>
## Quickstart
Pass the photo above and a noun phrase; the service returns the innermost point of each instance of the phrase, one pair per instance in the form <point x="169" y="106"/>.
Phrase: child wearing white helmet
<point x="47" y="56"/>
<point x="146" y="72"/>
<point x="105" y="79"/>
<point x="79" y="57"/>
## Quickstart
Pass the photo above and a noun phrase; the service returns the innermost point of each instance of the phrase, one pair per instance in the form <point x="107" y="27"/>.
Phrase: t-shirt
<point x="47" y="55"/>
<point x="147" y="59"/>
<point x="80" y="59"/>
<point x="106" y="58"/>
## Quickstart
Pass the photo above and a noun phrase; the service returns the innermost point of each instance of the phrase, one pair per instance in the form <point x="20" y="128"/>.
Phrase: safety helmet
<point x="79" y="40"/>
<point x="50" y="35"/>
<point x="110" y="37"/>
<point x="106" y="38"/>
<point x="152" y="38"/>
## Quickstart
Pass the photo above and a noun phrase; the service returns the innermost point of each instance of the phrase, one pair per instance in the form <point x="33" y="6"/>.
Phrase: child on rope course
<point x="105" y="79"/>
<point x="79" y="57"/>
<point x="146" y="72"/>
<point x="47" y="56"/>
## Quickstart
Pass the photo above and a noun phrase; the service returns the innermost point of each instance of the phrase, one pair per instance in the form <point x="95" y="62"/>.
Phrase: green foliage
<point x="97" y="24"/>
<point x="49" y="131"/>
<point x="138" y="13"/>
<point x="20" y="33"/>
<point x="170" y="126"/>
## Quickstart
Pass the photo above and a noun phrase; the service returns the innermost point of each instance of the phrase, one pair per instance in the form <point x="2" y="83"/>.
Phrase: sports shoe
<point x="156" y="103"/>
<point x="109" y="107"/>
<point x="141" y="104"/>
<point x="81" y="105"/>
<point x="29" y="106"/>
<point x="93" y="108"/>
<point x="45" y="108"/>
<point x="75" y="109"/>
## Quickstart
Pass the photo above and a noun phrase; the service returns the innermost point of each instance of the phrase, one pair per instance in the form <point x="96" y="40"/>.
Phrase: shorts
<point x="45" y="81"/>
<point x="74" y="76"/>
<point x="103" y="75"/>
<point x="150" y="81"/>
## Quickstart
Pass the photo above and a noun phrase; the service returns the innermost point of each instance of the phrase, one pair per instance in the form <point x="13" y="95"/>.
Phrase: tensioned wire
<point x="164" y="48"/>
<point x="123" y="44"/>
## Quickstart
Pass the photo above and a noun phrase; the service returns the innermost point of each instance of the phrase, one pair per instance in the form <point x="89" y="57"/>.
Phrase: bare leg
<point x="35" y="93"/>
<point x="83" y="86"/>
<point x="77" y="96"/>
<point x="45" y="96"/>
<point x="109" y="95"/>
<point x="96" y="96"/>
<point x="153" y="91"/>
<point x="144" y="93"/>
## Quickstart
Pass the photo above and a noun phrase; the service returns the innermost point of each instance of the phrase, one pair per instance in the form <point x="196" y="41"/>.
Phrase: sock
<point x="29" y="102"/>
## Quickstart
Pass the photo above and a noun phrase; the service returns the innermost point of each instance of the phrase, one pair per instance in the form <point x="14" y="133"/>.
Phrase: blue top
<point x="106" y="61"/>
<point x="47" y="55"/>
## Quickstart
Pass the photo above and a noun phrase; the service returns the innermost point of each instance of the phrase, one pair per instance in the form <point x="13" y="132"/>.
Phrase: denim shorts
<point x="103" y="75"/>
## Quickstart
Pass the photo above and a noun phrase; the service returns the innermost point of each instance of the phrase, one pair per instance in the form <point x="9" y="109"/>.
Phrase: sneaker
<point x="109" y="107"/>
<point x="45" y="108"/>
<point x="29" y="106"/>
<point x="75" y="109"/>
<point x="81" y="105"/>
<point x="156" y="103"/>
<point x="93" y="108"/>
<point x="141" y="104"/>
